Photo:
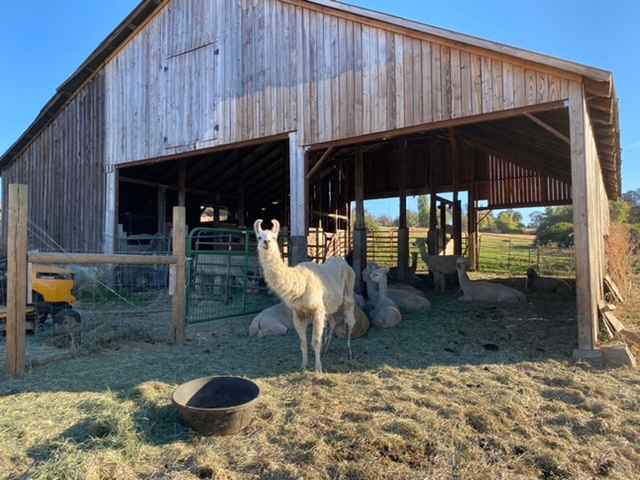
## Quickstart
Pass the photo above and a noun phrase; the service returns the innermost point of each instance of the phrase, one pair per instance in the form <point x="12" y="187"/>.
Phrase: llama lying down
<point x="277" y="320"/>
<point x="272" y="322"/>
<point x="312" y="292"/>
<point x="481" y="291"/>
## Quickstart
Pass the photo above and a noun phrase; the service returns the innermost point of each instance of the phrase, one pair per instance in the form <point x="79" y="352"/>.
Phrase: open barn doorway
<point x="517" y="160"/>
<point x="223" y="194"/>
<point x="227" y="189"/>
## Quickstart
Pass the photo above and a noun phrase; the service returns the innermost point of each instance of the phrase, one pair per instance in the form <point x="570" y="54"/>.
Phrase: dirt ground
<point x="460" y="392"/>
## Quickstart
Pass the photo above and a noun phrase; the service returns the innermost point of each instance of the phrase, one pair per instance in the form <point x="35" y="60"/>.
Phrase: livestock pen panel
<point x="224" y="275"/>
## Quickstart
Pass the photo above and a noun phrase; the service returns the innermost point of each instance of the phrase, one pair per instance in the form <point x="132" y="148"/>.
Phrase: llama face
<point x="267" y="239"/>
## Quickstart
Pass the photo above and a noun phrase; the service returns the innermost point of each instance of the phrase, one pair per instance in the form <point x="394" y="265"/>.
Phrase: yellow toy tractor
<point x="53" y="290"/>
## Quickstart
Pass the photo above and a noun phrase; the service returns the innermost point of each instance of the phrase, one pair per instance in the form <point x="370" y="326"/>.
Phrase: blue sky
<point x="43" y="42"/>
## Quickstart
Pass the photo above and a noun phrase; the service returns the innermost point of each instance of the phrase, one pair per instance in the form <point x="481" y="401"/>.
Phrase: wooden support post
<point x="162" y="210"/>
<point x="457" y="225"/>
<point x="360" y="230"/>
<point x="473" y="229"/>
<point x="182" y="184"/>
<point x="299" y="200"/>
<point x="433" y="224"/>
<point x="583" y="180"/>
<point x="443" y="229"/>
<point x="111" y="242"/>
<point x="403" y="231"/>
<point x="242" y="205"/>
<point x="16" y="279"/>
<point x="179" y="294"/>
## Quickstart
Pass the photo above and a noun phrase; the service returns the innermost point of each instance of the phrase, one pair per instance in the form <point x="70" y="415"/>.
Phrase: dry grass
<point x="620" y="256"/>
<point x="431" y="399"/>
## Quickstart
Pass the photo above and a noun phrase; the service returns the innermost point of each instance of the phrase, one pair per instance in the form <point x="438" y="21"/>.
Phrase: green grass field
<point x="500" y="254"/>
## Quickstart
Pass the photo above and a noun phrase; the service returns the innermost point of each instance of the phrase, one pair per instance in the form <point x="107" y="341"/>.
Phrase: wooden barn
<point x="293" y="109"/>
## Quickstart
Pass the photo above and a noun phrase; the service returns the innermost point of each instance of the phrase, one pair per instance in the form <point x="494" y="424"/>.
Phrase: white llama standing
<point x="313" y="292"/>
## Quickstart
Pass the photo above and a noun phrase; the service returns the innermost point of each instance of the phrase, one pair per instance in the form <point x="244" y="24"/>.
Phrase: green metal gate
<point x="224" y="278"/>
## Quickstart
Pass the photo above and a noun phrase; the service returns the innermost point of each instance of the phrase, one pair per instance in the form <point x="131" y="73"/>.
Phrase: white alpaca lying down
<point x="406" y="297"/>
<point x="277" y="321"/>
<point x="272" y="322"/>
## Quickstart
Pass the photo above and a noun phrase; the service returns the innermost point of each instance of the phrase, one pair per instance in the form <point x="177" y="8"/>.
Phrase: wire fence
<point x="83" y="308"/>
<point x="499" y="254"/>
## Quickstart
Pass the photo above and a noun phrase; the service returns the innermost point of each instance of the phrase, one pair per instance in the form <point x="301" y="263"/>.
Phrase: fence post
<point x="179" y="296"/>
<point x="16" y="279"/>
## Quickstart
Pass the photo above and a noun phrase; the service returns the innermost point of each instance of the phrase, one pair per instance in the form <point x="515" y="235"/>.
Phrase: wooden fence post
<point x="179" y="295"/>
<point x="16" y="279"/>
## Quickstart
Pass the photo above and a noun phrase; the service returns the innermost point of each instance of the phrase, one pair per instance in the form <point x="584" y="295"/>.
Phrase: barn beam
<point x="299" y="200"/>
<point x="360" y="231"/>
<point x="403" y="230"/>
<point x="111" y="210"/>
<point x="548" y="128"/>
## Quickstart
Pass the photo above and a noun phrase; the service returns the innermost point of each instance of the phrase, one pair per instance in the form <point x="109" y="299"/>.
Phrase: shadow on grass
<point x="139" y="378"/>
<point x="451" y="333"/>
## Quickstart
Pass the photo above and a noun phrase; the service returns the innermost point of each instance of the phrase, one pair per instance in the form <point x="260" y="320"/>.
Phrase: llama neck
<point x="286" y="282"/>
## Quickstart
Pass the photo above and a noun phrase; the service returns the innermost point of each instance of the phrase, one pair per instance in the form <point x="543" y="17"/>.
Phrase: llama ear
<point x="257" y="227"/>
<point x="276" y="227"/>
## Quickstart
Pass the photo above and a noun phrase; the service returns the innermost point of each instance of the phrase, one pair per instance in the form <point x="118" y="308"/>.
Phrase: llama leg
<point x="301" y="327"/>
<point x="349" y="320"/>
<point x="319" y="319"/>
<point x="329" y="334"/>
<point x="348" y="309"/>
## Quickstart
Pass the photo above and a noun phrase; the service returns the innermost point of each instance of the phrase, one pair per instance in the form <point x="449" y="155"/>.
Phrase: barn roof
<point x="599" y="85"/>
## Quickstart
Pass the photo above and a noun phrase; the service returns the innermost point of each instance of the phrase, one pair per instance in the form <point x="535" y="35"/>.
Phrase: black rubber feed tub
<point x="217" y="405"/>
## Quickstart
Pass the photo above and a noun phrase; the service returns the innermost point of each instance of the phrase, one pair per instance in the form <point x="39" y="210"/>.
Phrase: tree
<point x="535" y="219"/>
<point x="370" y="221"/>
<point x="423" y="211"/>
<point x="509" y="221"/>
<point x="558" y="233"/>
<point x="412" y="219"/>
<point x="385" y="221"/>
<point x="487" y="222"/>
<point x="555" y="226"/>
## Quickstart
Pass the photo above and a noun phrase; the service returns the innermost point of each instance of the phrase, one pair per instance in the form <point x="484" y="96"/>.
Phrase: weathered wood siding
<point x="64" y="169"/>
<point x="212" y="72"/>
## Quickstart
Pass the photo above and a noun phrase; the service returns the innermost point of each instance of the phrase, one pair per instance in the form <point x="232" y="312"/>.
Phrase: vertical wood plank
<point x="519" y="87"/>
<point x="497" y="82"/>
<point x="16" y="279"/>
<point x="179" y="296"/>
<point x="476" y="85"/>
<point x="427" y="98"/>
<point x="436" y="81"/>
<point x="466" y="83"/>
<point x="507" y="78"/>
<point x="531" y="86"/>
<point x="456" y="83"/>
